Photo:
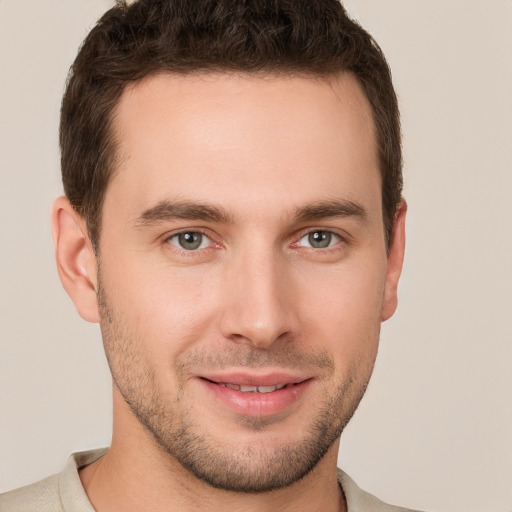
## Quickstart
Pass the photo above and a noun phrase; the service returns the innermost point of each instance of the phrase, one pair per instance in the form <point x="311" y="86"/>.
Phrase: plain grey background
<point x="434" y="430"/>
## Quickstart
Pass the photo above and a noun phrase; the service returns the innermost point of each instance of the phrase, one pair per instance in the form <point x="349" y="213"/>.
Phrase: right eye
<point x="190" y="240"/>
<point x="319" y="239"/>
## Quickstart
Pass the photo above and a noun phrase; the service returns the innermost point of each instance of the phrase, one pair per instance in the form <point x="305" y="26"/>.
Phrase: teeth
<point x="266" y="389"/>
<point x="249" y="389"/>
<point x="254" y="389"/>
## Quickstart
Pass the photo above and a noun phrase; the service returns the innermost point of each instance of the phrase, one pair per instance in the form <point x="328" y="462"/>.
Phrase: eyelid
<point x="168" y="236"/>
<point x="203" y="239"/>
<point x="342" y="237"/>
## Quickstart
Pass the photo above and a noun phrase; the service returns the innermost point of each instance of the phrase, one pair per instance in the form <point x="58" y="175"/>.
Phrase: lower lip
<point x="257" y="405"/>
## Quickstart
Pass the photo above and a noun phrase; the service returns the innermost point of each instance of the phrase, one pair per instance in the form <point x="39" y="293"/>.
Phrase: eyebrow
<point x="186" y="210"/>
<point x="166" y="211"/>
<point x="330" y="209"/>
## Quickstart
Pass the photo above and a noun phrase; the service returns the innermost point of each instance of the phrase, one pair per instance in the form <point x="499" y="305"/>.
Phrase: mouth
<point x="256" y="396"/>
<point x="254" y="389"/>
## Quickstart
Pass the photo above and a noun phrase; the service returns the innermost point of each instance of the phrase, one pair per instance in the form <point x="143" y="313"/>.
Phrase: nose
<point x="258" y="301"/>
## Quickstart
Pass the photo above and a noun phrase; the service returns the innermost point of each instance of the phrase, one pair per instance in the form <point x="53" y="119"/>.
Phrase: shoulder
<point x="39" y="497"/>
<point x="361" y="501"/>
<point x="57" y="493"/>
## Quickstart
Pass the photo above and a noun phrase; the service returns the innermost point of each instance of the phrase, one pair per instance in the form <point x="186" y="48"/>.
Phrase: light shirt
<point x="64" y="492"/>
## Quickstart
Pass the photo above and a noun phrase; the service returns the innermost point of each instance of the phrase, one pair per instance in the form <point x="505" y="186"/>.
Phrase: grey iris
<point x="190" y="240"/>
<point x="320" y="239"/>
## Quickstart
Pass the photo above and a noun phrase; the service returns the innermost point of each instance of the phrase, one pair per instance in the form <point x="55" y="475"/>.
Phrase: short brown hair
<point x="131" y="42"/>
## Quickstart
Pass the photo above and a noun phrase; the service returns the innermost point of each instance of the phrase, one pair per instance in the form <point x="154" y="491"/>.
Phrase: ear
<point x="76" y="260"/>
<point x="395" y="262"/>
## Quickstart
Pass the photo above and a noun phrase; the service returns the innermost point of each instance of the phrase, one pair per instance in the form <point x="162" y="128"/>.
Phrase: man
<point x="233" y="221"/>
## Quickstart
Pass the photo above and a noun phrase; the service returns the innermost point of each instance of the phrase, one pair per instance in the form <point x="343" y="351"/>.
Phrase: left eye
<point x="190" y="240"/>
<point x="319" y="239"/>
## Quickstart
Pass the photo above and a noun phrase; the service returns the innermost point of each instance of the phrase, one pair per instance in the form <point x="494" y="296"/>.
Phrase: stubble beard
<point x="250" y="467"/>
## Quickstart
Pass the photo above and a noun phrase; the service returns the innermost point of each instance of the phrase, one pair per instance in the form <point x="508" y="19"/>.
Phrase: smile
<point x="256" y="395"/>
<point x="254" y="389"/>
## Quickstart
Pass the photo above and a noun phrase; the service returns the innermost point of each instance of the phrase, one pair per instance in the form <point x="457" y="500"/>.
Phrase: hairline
<point x="113" y="144"/>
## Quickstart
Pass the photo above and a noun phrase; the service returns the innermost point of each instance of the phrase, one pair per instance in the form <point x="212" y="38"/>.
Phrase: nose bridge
<point x="258" y="302"/>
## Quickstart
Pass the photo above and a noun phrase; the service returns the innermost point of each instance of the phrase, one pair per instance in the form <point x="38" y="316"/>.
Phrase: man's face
<point x="243" y="270"/>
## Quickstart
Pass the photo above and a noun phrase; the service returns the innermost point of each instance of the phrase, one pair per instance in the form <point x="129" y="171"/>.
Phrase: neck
<point x="132" y="482"/>
<point x="137" y="474"/>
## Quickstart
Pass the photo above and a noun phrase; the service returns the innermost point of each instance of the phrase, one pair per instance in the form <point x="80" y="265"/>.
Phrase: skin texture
<point x="251" y="167"/>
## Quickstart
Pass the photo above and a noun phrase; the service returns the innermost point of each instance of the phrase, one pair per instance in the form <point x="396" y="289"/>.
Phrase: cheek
<point x="166" y="309"/>
<point x="343" y="310"/>
<point x="169" y="309"/>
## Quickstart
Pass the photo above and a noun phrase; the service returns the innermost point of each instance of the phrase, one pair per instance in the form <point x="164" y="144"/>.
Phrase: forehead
<point x="219" y="136"/>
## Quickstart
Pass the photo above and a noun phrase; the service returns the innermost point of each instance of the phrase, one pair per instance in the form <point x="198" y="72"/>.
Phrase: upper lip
<point x="244" y="378"/>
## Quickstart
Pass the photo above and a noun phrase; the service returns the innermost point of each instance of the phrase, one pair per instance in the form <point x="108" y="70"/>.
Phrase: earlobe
<point x="75" y="257"/>
<point x="395" y="262"/>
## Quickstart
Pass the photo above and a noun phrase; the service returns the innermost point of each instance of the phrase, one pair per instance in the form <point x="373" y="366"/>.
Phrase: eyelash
<point x="331" y="234"/>
<point x="169" y="239"/>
